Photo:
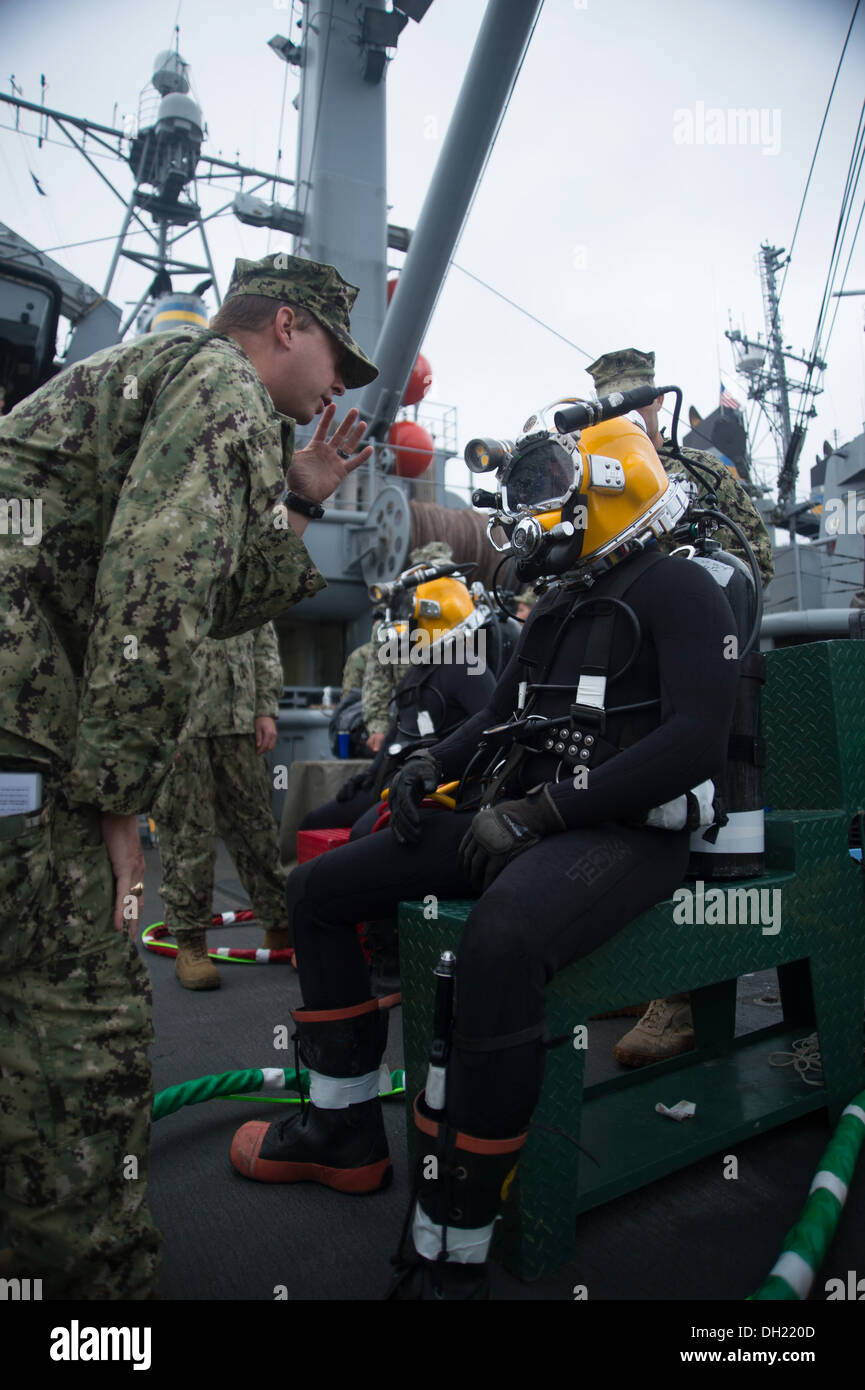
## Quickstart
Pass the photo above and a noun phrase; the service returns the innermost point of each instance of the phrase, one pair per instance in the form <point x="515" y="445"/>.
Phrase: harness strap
<point x="591" y="687"/>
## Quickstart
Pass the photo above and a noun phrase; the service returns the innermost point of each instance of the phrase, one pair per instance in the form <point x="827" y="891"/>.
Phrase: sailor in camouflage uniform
<point x="163" y="503"/>
<point x="220" y="785"/>
<point x="382" y="678"/>
<point x="666" y="1028"/>
<point x="354" y="669"/>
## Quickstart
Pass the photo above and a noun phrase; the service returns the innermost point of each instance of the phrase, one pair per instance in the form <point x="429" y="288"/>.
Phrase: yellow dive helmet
<point x="440" y="607"/>
<point x="430" y="607"/>
<point x="570" y="500"/>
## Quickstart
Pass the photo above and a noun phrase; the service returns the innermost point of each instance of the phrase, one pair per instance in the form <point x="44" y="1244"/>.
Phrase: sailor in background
<point x="220" y="785"/>
<point x="666" y="1028"/>
<point x="559" y="861"/>
<point x="525" y="602"/>
<point x="629" y="367"/>
<point x="354" y="668"/>
<point x="172" y="504"/>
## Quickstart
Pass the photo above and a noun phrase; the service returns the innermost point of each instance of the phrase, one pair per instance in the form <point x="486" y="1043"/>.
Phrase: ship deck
<point x="692" y="1236"/>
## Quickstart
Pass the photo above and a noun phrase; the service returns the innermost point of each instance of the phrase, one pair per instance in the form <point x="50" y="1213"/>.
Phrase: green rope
<point x="806" y="1244"/>
<point x="237" y="1085"/>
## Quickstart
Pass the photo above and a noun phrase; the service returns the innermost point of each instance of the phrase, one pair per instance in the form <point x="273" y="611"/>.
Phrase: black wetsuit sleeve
<point x="456" y="751"/>
<point x="689" y="621"/>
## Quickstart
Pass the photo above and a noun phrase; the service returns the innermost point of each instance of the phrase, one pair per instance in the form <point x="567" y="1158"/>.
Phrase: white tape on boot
<point x="338" y="1093"/>
<point x="464" y="1247"/>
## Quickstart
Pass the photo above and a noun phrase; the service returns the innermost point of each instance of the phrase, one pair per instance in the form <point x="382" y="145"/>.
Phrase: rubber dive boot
<point x="462" y="1183"/>
<point x="341" y="1148"/>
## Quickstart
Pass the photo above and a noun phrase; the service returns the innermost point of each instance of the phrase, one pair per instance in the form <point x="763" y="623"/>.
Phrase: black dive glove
<point x="499" y="833"/>
<point x="360" y="782"/>
<point x="419" y="775"/>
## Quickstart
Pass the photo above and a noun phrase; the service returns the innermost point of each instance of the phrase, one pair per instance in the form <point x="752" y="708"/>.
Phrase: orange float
<point x="419" y="382"/>
<point x="413" y="447"/>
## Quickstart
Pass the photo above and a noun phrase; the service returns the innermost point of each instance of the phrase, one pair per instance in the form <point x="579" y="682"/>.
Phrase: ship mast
<point x="766" y="366"/>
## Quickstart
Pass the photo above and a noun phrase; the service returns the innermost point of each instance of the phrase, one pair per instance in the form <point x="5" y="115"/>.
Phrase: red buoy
<point x="413" y="447"/>
<point x="419" y="382"/>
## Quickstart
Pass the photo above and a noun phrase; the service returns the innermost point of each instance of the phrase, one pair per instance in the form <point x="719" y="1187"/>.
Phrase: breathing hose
<point x="805" y="1246"/>
<point x="256" y="1083"/>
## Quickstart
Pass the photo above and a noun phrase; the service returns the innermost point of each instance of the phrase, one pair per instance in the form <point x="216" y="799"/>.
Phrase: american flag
<point x="727" y="400"/>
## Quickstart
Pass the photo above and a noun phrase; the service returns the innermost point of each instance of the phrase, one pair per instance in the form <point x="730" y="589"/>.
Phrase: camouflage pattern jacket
<point x="156" y="470"/>
<point x="733" y="500"/>
<point x="239" y="679"/>
<point x="355" y="668"/>
<point x="380" y="680"/>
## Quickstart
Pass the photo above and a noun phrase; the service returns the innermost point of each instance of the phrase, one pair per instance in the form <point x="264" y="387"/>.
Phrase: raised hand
<point x="318" y="470"/>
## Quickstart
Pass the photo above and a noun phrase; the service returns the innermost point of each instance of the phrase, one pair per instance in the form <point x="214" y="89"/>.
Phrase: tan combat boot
<point x="193" y="967"/>
<point x="665" y="1030"/>
<point x="627" y="1011"/>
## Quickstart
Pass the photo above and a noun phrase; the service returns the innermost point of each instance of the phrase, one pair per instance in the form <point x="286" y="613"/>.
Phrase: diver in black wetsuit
<point x="563" y="861"/>
<point x="440" y="688"/>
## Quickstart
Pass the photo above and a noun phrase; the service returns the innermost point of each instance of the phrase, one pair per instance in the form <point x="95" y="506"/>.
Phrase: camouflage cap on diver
<point x="314" y="286"/>
<point x="429" y="553"/>
<point x="622" y="370"/>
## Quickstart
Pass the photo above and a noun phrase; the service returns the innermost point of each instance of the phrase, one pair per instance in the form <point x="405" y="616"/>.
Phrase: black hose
<point x="700" y="472"/>
<point x="499" y="601"/>
<point x="755" y="570"/>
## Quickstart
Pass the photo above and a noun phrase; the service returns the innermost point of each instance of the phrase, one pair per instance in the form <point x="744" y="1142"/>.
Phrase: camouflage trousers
<point x="219" y="786"/>
<point x="75" y="1083"/>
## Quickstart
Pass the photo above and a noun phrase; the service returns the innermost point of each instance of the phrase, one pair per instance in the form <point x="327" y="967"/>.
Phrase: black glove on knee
<point x="499" y="833"/>
<point x="360" y="782"/>
<point x="419" y="776"/>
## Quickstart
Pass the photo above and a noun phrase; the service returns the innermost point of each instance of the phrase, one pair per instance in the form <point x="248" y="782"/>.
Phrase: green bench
<point x="814" y="723"/>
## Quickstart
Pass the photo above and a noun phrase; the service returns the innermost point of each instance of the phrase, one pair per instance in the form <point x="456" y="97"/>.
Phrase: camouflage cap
<point x="433" y="550"/>
<point x="528" y="597"/>
<point x="622" y="370"/>
<point x="316" y="287"/>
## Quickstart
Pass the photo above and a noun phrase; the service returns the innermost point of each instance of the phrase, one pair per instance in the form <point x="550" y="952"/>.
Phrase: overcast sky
<point x="602" y="211"/>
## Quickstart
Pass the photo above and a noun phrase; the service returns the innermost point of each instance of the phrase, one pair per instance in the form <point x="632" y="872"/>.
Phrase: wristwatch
<point x="303" y="505"/>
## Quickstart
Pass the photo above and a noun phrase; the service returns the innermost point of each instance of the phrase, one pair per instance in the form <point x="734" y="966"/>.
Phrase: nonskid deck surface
<point x="693" y="1235"/>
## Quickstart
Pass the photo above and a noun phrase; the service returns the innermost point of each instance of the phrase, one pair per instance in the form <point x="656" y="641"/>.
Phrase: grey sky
<point x="593" y="213"/>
